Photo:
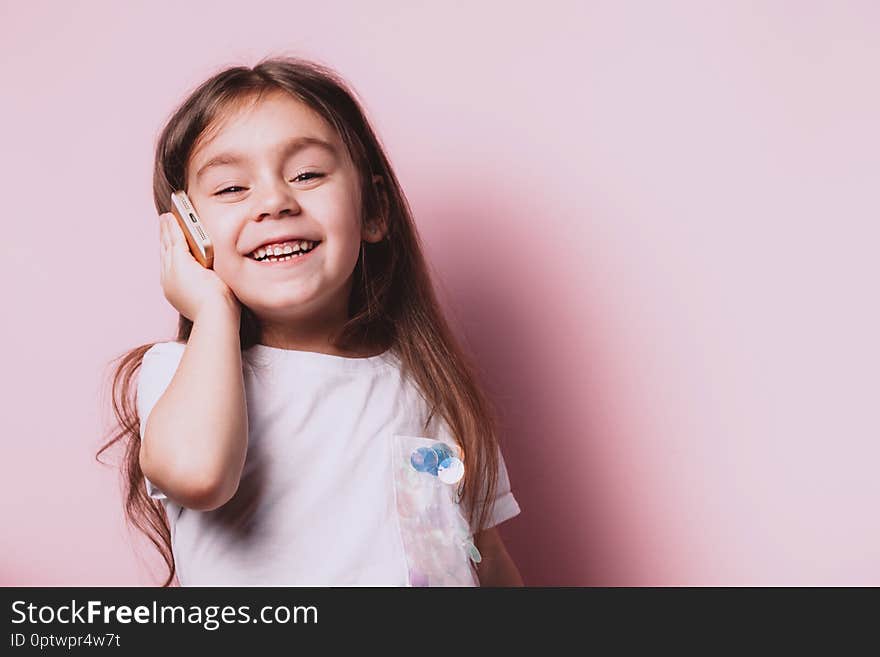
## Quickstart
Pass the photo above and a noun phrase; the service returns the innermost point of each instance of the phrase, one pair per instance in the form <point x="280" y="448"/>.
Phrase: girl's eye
<point x="223" y="191"/>
<point x="308" y="173"/>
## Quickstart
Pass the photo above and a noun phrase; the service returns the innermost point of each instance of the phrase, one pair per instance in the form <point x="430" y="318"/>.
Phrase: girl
<point x="315" y="422"/>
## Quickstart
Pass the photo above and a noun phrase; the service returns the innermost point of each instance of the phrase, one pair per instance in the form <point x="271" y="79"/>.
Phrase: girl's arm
<point x="496" y="567"/>
<point x="195" y="439"/>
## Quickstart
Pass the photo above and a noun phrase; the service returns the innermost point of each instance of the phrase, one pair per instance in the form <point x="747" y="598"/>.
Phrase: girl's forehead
<point x="290" y="114"/>
<point x="276" y="107"/>
<point x="290" y="117"/>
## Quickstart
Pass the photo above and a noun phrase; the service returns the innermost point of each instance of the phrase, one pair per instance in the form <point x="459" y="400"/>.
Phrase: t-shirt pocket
<point x="436" y="535"/>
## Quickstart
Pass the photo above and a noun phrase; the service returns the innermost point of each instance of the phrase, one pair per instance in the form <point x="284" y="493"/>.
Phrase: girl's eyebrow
<point x="289" y="148"/>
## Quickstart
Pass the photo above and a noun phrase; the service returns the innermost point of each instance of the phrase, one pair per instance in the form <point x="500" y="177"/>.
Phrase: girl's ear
<point x="376" y="228"/>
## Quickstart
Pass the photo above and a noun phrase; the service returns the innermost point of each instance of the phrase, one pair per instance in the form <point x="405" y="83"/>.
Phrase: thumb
<point x="178" y="239"/>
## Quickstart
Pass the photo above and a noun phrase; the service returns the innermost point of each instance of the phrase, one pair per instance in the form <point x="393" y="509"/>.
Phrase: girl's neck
<point x="321" y="342"/>
<point x="322" y="348"/>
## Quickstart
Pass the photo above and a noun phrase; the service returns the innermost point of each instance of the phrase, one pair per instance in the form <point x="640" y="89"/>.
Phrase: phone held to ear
<point x="199" y="243"/>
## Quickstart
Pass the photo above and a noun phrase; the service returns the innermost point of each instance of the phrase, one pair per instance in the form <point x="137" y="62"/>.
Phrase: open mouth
<point x="283" y="257"/>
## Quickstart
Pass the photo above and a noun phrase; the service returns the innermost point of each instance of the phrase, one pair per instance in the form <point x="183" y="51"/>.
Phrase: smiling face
<point x="275" y="170"/>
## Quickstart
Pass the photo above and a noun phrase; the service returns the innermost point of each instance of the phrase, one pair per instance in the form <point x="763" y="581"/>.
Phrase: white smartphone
<point x="199" y="243"/>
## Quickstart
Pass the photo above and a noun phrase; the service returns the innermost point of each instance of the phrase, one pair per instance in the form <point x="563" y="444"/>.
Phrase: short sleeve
<point x="158" y="366"/>
<point x="506" y="506"/>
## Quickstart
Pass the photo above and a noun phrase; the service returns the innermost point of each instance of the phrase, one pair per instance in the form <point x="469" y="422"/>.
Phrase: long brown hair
<point x="392" y="305"/>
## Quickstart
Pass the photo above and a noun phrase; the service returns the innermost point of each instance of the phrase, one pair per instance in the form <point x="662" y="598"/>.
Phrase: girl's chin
<point x="282" y="305"/>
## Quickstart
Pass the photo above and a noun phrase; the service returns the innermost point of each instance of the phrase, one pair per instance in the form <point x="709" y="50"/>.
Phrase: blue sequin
<point x="473" y="552"/>
<point x="428" y="459"/>
<point x="424" y="459"/>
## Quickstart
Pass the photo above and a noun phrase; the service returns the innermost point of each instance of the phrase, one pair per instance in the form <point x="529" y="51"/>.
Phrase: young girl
<point x="315" y="423"/>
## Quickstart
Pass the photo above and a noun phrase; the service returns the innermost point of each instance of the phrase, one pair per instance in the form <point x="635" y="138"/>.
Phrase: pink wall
<point x="656" y="227"/>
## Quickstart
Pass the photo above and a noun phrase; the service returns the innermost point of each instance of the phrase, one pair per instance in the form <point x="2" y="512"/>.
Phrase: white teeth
<point x="289" y="250"/>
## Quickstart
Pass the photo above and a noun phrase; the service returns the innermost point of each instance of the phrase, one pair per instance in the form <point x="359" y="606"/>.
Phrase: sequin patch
<point x="435" y="532"/>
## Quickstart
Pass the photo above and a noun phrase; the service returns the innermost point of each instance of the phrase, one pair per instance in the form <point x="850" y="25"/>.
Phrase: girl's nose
<point x="277" y="198"/>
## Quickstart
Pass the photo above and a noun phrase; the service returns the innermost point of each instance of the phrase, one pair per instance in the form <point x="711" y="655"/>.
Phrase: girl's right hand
<point x="188" y="286"/>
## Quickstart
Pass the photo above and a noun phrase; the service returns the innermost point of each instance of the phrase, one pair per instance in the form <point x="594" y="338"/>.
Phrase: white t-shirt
<point x="328" y="495"/>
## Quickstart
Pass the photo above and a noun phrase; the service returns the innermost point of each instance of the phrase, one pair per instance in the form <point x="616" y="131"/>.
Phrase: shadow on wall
<point x="533" y="354"/>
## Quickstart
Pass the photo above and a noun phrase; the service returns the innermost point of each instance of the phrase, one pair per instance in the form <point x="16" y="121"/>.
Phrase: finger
<point x="175" y="234"/>
<point x="163" y="233"/>
<point x="164" y="255"/>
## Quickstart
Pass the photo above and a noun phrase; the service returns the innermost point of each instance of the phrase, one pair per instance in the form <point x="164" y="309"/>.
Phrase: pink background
<point x="657" y="227"/>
